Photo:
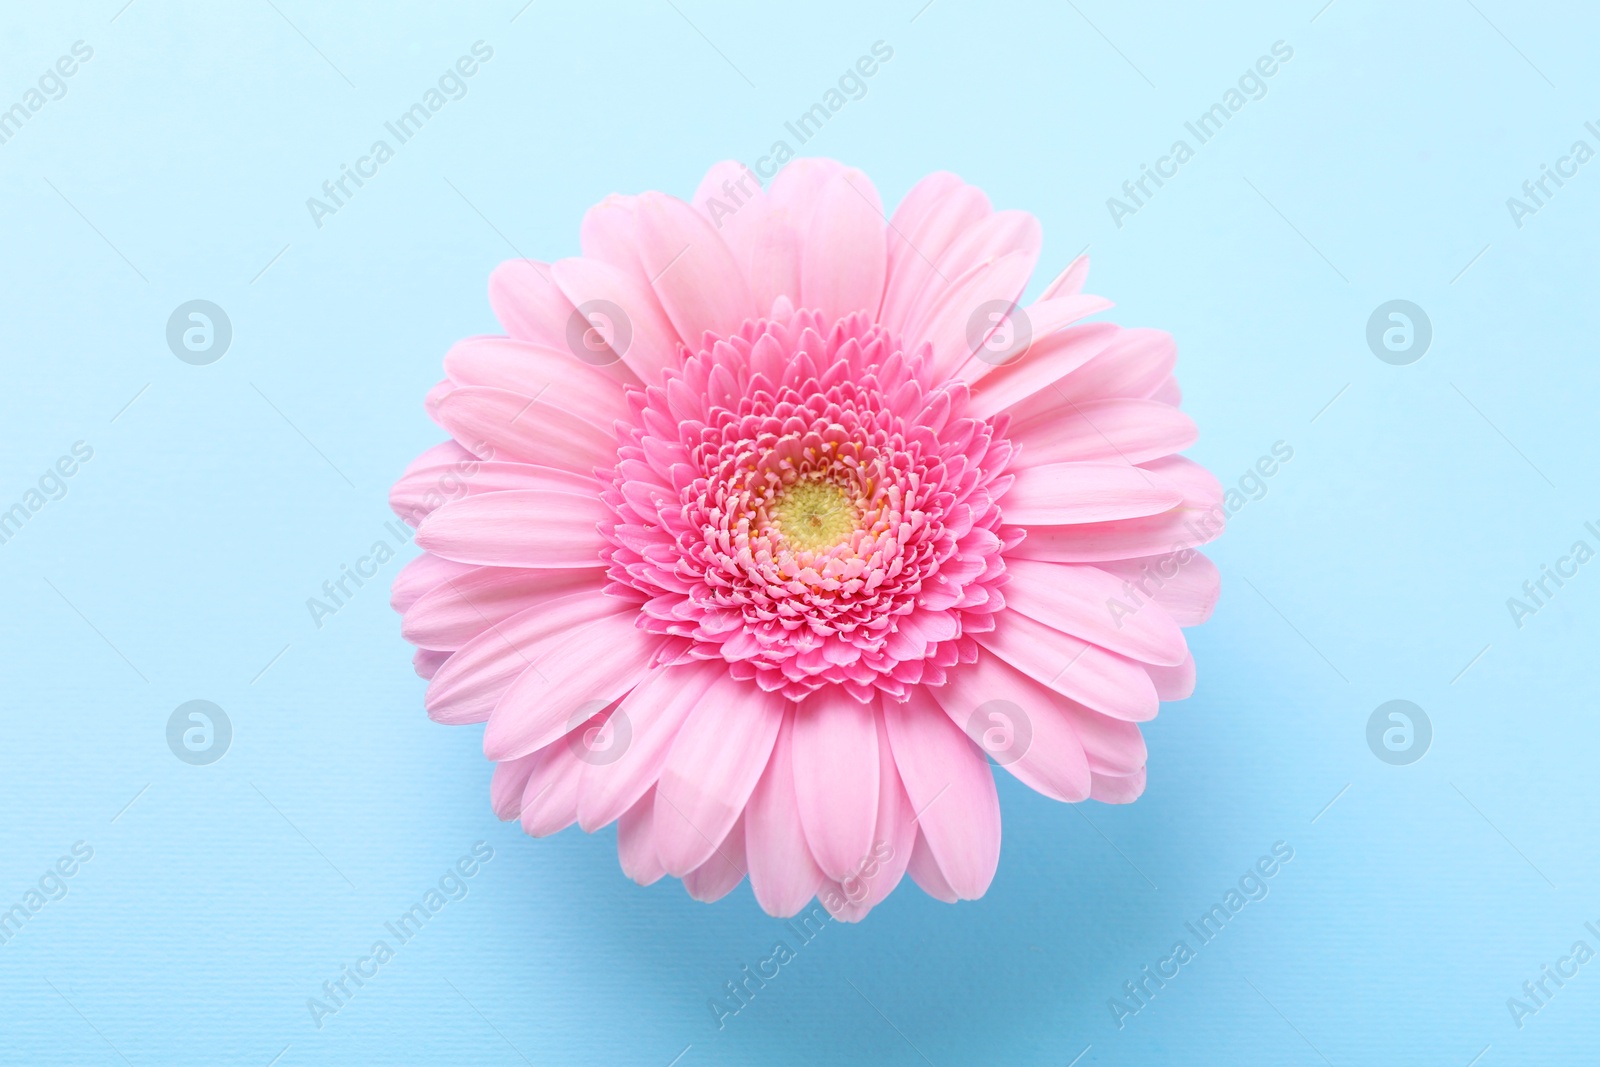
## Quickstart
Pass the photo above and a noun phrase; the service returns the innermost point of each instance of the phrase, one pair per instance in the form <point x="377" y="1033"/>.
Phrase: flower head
<point x="772" y="521"/>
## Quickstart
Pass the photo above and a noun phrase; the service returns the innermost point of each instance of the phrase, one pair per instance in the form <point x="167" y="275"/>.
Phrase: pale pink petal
<point x="1185" y="584"/>
<point x="517" y="528"/>
<point x="952" y="791"/>
<point x="725" y="869"/>
<point x="924" y="870"/>
<point x="636" y="846"/>
<point x="712" y="769"/>
<point x="507" y="785"/>
<point x="937" y="210"/>
<point x="783" y="872"/>
<point x="557" y="378"/>
<point x="550" y="799"/>
<point x="651" y="343"/>
<point x="1029" y="730"/>
<point x="471" y="683"/>
<point x="1118" y="789"/>
<point x="570" y="676"/>
<point x="1078" y="670"/>
<point x="459" y="609"/>
<point x="426" y="662"/>
<point x="1044" y="362"/>
<point x="654" y="711"/>
<point x="1088" y="603"/>
<point x="1174" y="683"/>
<point x="422" y="574"/>
<point x="693" y="273"/>
<point x="836" y="778"/>
<point x="844" y="258"/>
<point x="1069" y="281"/>
<point x="1056" y="494"/>
<point x="947" y="323"/>
<point x="525" y="428"/>
<point x="1123" y="430"/>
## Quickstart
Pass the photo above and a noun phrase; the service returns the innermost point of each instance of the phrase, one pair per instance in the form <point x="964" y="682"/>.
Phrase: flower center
<point x="814" y="515"/>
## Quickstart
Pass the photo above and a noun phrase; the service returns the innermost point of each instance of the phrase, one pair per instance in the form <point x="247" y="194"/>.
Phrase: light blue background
<point x="1376" y="567"/>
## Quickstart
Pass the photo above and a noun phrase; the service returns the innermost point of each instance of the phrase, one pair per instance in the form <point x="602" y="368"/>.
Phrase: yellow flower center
<point x="814" y="515"/>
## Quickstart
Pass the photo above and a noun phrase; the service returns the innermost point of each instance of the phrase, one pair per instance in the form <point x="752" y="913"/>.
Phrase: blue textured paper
<point x="1375" y="164"/>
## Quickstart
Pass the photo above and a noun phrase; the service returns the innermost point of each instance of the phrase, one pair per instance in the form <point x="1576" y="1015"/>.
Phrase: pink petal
<point x="937" y="210"/>
<point x="1078" y="670"/>
<point x="654" y="713"/>
<point x="459" y="609"/>
<point x="652" y="344"/>
<point x="951" y="790"/>
<point x="636" y="846"/>
<point x="471" y="683"/>
<point x="1043" y="319"/>
<point x="1185" y="584"/>
<point x="526" y="428"/>
<point x="426" y="662"/>
<point x="422" y="574"/>
<point x="844" y="258"/>
<point x="1058" y="494"/>
<point x="557" y="377"/>
<point x="836" y="778"/>
<point x="924" y="870"/>
<point x="1122" y="430"/>
<point x="732" y="200"/>
<point x="1044" y="362"/>
<point x="571" y="675"/>
<point x="717" y="876"/>
<point x="518" y="528"/>
<point x="783" y="872"/>
<point x="1090" y="604"/>
<point x="550" y="799"/>
<point x="1118" y="789"/>
<point x="1134" y="365"/>
<point x="528" y="304"/>
<point x="1174" y="683"/>
<point x="693" y="273"/>
<point x="712" y="769"/>
<point x="506" y="786"/>
<point x="1069" y="281"/>
<point x="1198" y="520"/>
<point x="1031" y="731"/>
<point x="946" y="323"/>
<point x="996" y="236"/>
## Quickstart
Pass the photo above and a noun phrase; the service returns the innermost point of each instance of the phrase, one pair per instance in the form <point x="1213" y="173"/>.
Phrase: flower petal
<point x="712" y="769"/>
<point x="655" y="710"/>
<point x="783" y="872"/>
<point x="1057" y="494"/>
<point x="836" y="778"/>
<point x="518" y="528"/>
<point x="571" y="675"/>
<point x="845" y="255"/>
<point x="952" y="790"/>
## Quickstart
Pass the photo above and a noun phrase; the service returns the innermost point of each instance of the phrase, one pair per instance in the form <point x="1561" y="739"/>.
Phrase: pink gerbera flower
<point x="772" y="519"/>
